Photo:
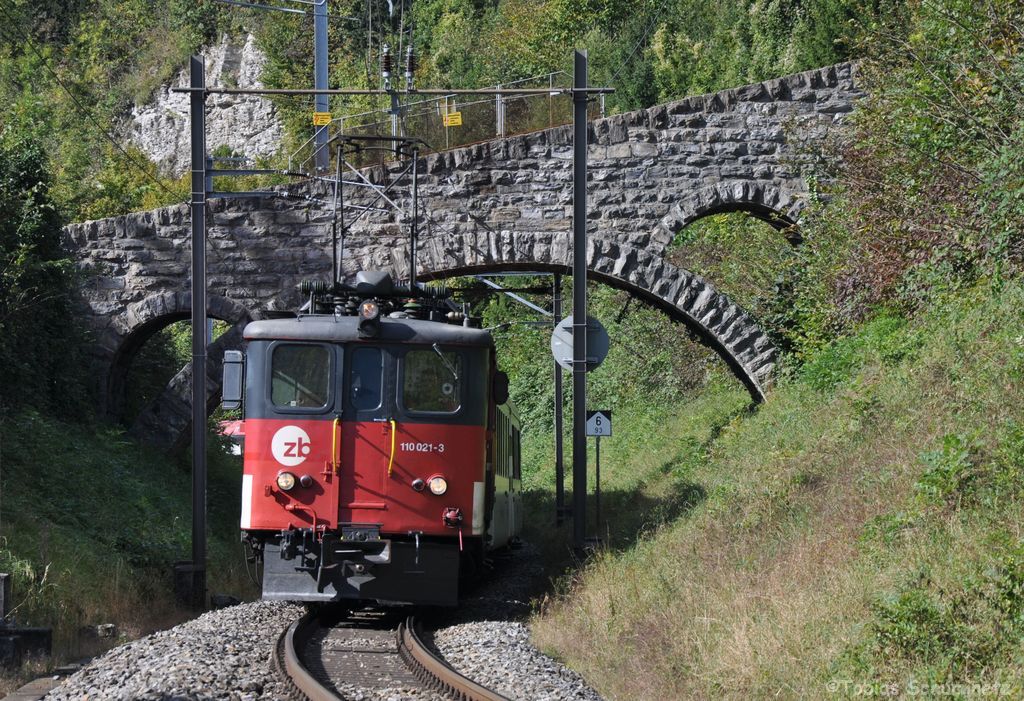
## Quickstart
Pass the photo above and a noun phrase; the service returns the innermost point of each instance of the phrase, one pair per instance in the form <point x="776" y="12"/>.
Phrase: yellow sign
<point x="321" y="119"/>
<point x="453" y="119"/>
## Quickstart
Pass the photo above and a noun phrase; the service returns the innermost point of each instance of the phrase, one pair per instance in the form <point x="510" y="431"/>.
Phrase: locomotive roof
<point x="346" y="328"/>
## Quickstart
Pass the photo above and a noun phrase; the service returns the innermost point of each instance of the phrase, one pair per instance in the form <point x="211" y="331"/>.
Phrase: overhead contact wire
<point x="660" y="9"/>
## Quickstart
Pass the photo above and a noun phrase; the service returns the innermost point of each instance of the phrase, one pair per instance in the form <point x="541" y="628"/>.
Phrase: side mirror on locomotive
<point x="233" y="382"/>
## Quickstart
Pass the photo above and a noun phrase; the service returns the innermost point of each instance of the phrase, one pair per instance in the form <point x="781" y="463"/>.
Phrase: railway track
<point x="325" y="660"/>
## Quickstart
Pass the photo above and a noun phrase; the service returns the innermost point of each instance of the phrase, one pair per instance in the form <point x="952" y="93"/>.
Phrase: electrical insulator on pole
<point x="410" y="67"/>
<point x="385" y="65"/>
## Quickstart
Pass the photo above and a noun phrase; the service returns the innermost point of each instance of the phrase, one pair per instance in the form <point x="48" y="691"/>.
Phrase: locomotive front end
<point x="366" y="470"/>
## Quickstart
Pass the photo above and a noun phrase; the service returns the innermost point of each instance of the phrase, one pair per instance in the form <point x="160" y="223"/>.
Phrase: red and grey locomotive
<point x="381" y="457"/>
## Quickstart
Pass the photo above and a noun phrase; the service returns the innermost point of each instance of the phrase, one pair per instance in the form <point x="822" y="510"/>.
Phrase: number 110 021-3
<point x="422" y="447"/>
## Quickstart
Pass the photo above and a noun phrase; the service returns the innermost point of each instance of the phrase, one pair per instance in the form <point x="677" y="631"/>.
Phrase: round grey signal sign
<point x="597" y="343"/>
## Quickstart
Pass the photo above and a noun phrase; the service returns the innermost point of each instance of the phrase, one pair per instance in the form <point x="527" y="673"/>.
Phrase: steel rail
<point x="425" y="666"/>
<point x="432" y="671"/>
<point x="289" y="662"/>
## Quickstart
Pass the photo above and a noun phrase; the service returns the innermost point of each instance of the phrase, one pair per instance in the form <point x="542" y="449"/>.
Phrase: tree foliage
<point x="70" y="73"/>
<point x="38" y="337"/>
<point x="648" y="51"/>
<point x="70" y="70"/>
<point x="931" y="194"/>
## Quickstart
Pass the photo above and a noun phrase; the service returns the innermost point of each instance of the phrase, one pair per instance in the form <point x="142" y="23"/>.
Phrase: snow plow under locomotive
<point x="381" y="458"/>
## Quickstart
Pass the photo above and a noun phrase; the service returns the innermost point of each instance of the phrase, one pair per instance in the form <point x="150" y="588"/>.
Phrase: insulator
<point x="410" y="62"/>
<point x="440" y="291"/>
<point x="313" y="286"/>
<point x="413" y="309"/>
<point x="385" y="61"/>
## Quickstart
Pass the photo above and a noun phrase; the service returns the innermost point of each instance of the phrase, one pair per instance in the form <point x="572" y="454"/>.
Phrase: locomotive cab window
<point x="300" y="376"/>
<point x="431" y="381"/>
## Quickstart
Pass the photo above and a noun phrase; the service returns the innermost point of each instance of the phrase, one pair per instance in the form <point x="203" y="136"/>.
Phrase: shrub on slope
<point x="862" y="526"/>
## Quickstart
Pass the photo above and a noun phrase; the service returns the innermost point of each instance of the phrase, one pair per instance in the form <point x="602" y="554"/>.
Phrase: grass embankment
<point x="863" y="527"/>
<point x="91" y="524"/>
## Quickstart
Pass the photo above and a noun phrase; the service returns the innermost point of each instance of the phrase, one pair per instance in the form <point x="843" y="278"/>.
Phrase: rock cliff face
<point x="245" y="123"/>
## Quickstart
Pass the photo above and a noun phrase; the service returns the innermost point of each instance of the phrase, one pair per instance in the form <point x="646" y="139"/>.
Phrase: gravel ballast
<point x="487" y="641"/>
<point x="225" y="654"/>
<point x="500" y="656"/>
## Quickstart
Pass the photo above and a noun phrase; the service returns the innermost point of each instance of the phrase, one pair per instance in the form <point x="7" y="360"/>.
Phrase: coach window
<point x="431" y="381"/>
<point x="517" y="459"/>
<point x="367" y="373"/>
<point x="300" y="376"/>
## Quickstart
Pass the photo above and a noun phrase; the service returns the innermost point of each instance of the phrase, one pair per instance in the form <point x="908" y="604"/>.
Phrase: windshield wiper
<point x="447" y="364"/>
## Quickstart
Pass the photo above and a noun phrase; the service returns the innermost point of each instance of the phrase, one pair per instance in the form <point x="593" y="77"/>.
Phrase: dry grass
<point x="768" y="588"/>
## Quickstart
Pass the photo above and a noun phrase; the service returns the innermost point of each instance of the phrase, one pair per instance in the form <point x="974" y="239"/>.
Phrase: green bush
<point x="930" y="198"/>
<point x="949" y="472"/>
<point x="836" y="363"/>
<point x="953" y="631"/>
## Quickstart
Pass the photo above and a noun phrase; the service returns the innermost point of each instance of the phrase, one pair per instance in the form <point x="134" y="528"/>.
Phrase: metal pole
<point x="597" y="488"/>
<point x="579" y="302"/>
<point x="321" y="104"/>
<point x="551" y="85"/>
<point x="341" y="214"/>
<point x="499" y="126"/>
<point x="556" y="308"/>
<point x="415" y="218"/>
<point x="395" y="108"/>
<point x="338" y="212"/>
<point x="198" y="204"/>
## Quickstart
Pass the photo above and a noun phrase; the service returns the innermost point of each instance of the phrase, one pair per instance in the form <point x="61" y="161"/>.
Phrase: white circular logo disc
<point x="290" y="446"/>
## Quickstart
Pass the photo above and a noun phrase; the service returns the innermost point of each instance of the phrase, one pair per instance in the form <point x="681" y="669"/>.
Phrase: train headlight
<point x="438" y="485"/>
<point x="285" y="481"/>
<point x="369" y="319"/>
<point x="369" y="310"/>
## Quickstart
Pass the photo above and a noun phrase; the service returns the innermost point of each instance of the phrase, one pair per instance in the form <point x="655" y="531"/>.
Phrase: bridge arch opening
<point x="151" y="328"/>
<point x="778" y="221"/>
<point x="709" y="316"/>
<point x="699" y="345"/>
<point x="740" y="249"/>
<point x="776" y="207"/>
<point x="154" y="357"/>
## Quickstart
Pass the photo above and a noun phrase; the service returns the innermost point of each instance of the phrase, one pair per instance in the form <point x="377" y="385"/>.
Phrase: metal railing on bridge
<point x="452" y="121"/>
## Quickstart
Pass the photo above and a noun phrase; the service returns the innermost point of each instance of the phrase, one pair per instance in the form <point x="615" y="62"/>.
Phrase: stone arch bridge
<point x="500" y="205"/>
